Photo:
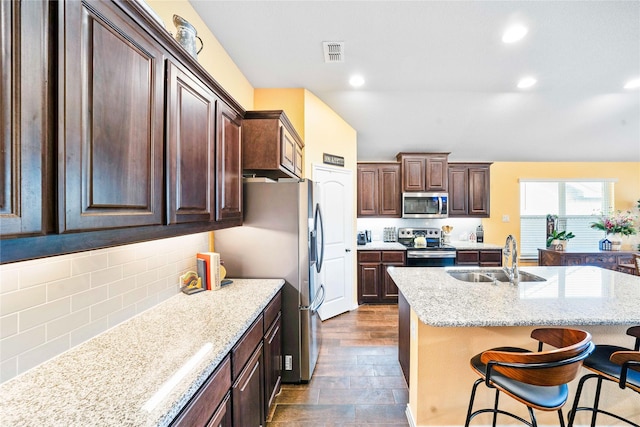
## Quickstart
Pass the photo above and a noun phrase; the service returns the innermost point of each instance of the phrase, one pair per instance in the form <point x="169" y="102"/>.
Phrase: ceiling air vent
<point x="333" y="51"/>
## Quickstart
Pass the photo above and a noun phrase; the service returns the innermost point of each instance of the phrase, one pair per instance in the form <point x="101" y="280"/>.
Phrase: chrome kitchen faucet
<point x="511" y="250"/>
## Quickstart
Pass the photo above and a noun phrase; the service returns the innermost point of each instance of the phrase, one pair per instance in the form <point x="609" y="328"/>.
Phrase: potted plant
<point x="558" y="240"/>
<point x="617" y="224"/>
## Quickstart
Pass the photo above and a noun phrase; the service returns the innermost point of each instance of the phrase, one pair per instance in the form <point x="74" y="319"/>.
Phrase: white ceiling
<point x="439" y="78"/>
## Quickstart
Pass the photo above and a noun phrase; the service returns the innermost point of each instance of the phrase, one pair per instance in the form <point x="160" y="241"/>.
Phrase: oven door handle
<point x="431" y="254"/>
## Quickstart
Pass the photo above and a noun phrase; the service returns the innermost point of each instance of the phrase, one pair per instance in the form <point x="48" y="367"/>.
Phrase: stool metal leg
<point x="596" y="402"/>
<point x="473" y="396"/>
<point x="495" y="408"/>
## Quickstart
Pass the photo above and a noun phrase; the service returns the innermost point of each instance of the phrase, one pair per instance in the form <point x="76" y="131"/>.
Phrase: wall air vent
<point x="333" y="52"/>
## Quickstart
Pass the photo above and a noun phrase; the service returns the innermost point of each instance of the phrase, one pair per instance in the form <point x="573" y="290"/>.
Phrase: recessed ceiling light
<point x="356" y="81"/>
<point x="514" y="33"/>
<point x="526" y="82"/>
<point x="633" y="84"/>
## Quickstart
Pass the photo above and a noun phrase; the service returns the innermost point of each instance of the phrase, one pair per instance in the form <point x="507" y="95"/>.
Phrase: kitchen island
<point x="451" y="320"/>
<point x="143" y="371"/>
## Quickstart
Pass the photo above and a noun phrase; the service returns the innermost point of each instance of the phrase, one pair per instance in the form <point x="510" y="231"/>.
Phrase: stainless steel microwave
<point x="425" y="205"/>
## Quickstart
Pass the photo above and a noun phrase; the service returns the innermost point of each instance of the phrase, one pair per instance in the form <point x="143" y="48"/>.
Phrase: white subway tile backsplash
<point x="22" y="299"/>
<point x="8" y="369"/>
<point x="96" y="260"/>
<point x="105" y="308"/>
<point x="46" y="272"/>
<point x="52" y="304"/>
<point x="88" y="331"/>
<point x="68" y="323"/>
<point x="88" y="298"/>
<point x="9" y="325"/>
<point x="21" y="342"/>
<point x="44" y="313"/>
<point x="40" y="354"/>
<point x="108" y="275"/>
<point x="70" y="286"/>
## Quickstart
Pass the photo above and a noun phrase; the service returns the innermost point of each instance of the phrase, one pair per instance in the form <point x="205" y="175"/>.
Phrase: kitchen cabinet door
<point x="272" y="362"/>
<point x="111" y="111"/>
<point x="389" y="288"/>
<point x="424" y="172"/>
<point x="375" y="286"/>
<point x="191" y="132"/>
<point x="469" y="190"/>
<point x="379" y="190"/>
<point x="229" y="160"/>
<point x="25" y="118"/>
<point x="248" y="393"/>
<point x="223" y="416"/>
<point x="271" y="146"/>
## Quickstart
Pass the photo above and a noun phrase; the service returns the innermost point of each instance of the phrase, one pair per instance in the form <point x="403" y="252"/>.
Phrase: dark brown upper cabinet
<point x="191" y="145"/>
<point x="271" y="146"/>
<point x="111" y="118"/>
<point x="379" y="191"/>
<point x="26" y="118"/>
<point x="469" y="190"/>
<point x="229" y="159"/>
<point x="424" y="172"/>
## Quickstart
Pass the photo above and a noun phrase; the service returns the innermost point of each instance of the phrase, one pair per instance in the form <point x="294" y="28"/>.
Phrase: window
<point x="575" y="202"/>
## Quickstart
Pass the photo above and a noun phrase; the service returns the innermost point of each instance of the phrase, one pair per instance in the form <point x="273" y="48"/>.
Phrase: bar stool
<point x="611" y="363"/>
<point x="536" y="379"/>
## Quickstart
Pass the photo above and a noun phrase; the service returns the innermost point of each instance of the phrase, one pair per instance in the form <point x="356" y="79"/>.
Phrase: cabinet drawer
<point x="467" y="257"/>
<point x="198" y="411"/>
<point x="490" y="256"/>
<point x="272" y="310"/>
<point x="369" y="256"/>
<point x="393" y="256"/>
<point x="222" y="417"/>
<point x="242" y="351"/>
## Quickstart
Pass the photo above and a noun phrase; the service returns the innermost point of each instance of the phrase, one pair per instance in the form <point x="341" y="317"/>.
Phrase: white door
<point x="336" y="199"/>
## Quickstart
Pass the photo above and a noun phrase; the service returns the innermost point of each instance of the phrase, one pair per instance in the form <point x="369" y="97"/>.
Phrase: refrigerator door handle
<point x="319" y="238"/>
<point x="318" y="299"/>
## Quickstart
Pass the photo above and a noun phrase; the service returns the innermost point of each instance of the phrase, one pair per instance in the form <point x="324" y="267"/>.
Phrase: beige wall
<point x="505" y="189"/>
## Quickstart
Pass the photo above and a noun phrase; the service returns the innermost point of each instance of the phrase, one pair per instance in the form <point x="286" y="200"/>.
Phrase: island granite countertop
<point x="117" y="378"/>
<point x="569" y="296"/>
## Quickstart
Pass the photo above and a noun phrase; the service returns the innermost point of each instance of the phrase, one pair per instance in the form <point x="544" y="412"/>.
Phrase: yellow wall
<point x="214" y="57"/>
<point x="505" y="188"/>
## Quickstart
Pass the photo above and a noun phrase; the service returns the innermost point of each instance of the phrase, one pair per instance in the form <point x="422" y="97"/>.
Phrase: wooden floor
<point x="357" y="380"/>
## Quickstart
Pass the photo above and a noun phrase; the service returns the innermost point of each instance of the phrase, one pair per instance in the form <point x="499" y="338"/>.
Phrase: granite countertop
<point x="116" y="378"/>
<point x="395" y="246"/>
<point x="569" y="296"/>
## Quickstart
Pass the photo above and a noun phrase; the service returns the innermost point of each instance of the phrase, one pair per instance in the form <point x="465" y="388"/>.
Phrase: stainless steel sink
<point x="490" y="275"/>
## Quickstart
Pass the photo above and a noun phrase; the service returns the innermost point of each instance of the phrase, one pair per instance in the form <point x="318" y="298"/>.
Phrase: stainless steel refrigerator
<point x="282" y="237"/>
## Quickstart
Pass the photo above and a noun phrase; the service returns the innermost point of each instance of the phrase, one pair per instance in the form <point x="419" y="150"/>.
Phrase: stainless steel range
<point x="425" y="247"/>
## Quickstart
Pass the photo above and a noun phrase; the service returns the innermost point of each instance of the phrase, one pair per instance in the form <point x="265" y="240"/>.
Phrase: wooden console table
<point x="604" y="259"/>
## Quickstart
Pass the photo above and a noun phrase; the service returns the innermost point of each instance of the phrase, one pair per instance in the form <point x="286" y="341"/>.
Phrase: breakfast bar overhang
<point x="452" y="320"/>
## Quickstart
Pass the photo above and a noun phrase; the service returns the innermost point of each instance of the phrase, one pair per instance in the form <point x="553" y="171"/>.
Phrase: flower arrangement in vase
<point x="617" y="224"/>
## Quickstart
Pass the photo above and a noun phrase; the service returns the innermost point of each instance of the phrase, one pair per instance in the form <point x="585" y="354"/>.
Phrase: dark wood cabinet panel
<point x="229" y="159"/>
<point x="271" y="146"/>
<point x="379" y="190"/>
<point x="223" y="417"/>
<point x="469" y="190"/>
<point x="247" y="393"/>
<point x="374" y="283"/>
<point x="404" y="335"/>
<point x="424" y="172"/>
<point x="272" y="362"/>
<point x="604" y="259"/>
<point x="111" y="106"/>
<point x="191" y="137"/>
<point x="26" y="120"/>
<point x="480" y="257"/>
<point x="210" y="396"/>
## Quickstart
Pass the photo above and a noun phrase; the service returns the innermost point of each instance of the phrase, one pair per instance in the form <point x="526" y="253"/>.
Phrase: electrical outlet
<point x="288" y="362"/>
<point x="505" y="218"/>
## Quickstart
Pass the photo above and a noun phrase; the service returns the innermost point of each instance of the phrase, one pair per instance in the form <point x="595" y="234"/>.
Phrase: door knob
<point x="347" y="250"/>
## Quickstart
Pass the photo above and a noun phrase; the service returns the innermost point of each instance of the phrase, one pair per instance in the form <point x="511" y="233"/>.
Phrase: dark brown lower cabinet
<point x="248" y="394"/>
<point x="375" y="286"/>
<point x="223" y="416"/>
<point x="482" y="258"/>
<point x="211" y="395"/>
<point x="272" y="362"/>
<point x="404" y="335"/>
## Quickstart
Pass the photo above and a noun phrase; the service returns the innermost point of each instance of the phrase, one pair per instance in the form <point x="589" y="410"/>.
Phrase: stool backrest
<point x="544" y="368"/>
